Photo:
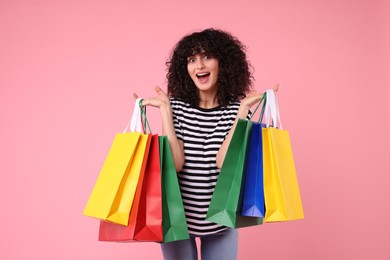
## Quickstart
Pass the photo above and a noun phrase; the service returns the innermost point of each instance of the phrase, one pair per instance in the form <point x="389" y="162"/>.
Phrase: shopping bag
<point x="115" y="232"/>
<point x="281" y="189"/>
<point x="174" y="220"/>
<point x="148" y="225"/>
<point x="145" y="221"/>
<point x="226" y="202"/>
<point x="253" y="197"/>
<point x="124" y="199"/>
<point x="112" y="196"/>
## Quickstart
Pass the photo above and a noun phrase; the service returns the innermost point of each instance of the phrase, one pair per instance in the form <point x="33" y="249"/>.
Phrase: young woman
<point x="209" y="88"/>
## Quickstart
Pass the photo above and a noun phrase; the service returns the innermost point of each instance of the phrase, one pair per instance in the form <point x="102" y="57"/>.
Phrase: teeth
<point x="202" y="74"/>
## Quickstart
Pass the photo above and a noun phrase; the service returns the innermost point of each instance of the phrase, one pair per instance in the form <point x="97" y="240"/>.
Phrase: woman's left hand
<point x="254" y="97"/>
<point x="251" y="99"/>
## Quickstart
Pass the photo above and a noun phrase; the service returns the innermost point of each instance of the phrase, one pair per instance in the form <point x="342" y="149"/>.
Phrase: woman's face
<point x="203" y="70"/>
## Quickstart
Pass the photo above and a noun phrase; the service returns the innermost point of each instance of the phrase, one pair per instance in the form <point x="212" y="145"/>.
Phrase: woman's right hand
<point x="158" y="101"/>
<point x="162" y="102"/>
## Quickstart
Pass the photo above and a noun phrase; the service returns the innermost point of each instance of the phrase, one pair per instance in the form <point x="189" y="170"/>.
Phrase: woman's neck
<point x="208" y="100"/>
<point x="208" y="104"/>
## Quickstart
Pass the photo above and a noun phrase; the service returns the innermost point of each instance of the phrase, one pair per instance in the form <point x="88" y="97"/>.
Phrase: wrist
<point x="166" y="110"/>
<point x="242" y="112"/>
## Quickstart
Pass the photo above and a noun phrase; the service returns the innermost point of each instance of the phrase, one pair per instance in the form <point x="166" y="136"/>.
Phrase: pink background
<point x="67" y="73"/>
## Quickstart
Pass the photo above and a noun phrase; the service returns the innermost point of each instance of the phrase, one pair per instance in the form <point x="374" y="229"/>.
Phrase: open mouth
<point x="203" y="77"/>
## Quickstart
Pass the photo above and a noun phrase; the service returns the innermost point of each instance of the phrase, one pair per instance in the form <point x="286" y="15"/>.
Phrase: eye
<point x="208" y="57"/>
<point x="191" y="59"/>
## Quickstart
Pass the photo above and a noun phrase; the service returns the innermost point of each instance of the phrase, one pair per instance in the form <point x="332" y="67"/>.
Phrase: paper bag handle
<point x="272" y="110"/>
<point x="135" y="124"/>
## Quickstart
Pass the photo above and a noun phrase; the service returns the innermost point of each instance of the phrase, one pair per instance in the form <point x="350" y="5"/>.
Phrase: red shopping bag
<point x="148" y="224"/>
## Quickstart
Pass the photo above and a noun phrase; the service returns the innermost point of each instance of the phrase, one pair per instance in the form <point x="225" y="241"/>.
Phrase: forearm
<point x="242" y="113"/>
<point x="168" y="129"/>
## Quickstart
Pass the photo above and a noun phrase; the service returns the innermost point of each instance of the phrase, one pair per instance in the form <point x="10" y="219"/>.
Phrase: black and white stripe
<point x="202" y="131"/>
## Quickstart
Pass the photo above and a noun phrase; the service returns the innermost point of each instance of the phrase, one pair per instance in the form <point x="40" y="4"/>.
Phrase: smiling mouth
<point x="203" y="76"/>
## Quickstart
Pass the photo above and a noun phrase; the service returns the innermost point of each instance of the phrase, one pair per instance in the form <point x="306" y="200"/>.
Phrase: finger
<point x="159" y="91"/>
<point x="147" y="101"/>
<point x="257" y="94"/>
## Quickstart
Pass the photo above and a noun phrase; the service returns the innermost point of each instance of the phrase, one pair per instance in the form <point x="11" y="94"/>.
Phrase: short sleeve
<point x="176" y="108"/>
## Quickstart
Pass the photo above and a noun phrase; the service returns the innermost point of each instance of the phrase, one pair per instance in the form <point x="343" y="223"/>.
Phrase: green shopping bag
<point x="174" y="220"/>
<point x="226" y="203"/>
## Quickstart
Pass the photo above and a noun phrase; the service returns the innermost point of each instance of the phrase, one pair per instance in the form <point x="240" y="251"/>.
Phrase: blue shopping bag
<point x="253" y="198"/>
<point x="253" y="194"/>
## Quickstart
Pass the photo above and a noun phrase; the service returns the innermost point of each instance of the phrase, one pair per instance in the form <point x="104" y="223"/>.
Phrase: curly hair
<point x="234" y="78"/>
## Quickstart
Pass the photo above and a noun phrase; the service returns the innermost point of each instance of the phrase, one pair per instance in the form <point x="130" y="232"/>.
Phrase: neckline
<point x="208" y="109"/>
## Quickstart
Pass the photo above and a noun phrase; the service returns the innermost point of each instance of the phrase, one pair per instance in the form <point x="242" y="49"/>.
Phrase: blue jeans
<point x="219" y="246"/>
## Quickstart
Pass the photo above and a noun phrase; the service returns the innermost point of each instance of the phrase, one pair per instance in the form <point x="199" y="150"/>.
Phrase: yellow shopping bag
<point x="281" y="189"/>
<point x="113" y="194"/>
<point x="112" y="176"/>
<point x="124" y="198"/>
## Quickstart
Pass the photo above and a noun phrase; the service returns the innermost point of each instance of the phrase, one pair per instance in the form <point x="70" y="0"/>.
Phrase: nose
<point x="200" y="64"/>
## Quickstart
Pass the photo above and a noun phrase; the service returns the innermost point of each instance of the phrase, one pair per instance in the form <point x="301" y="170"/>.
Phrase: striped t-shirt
<point x="202" y="132"/>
